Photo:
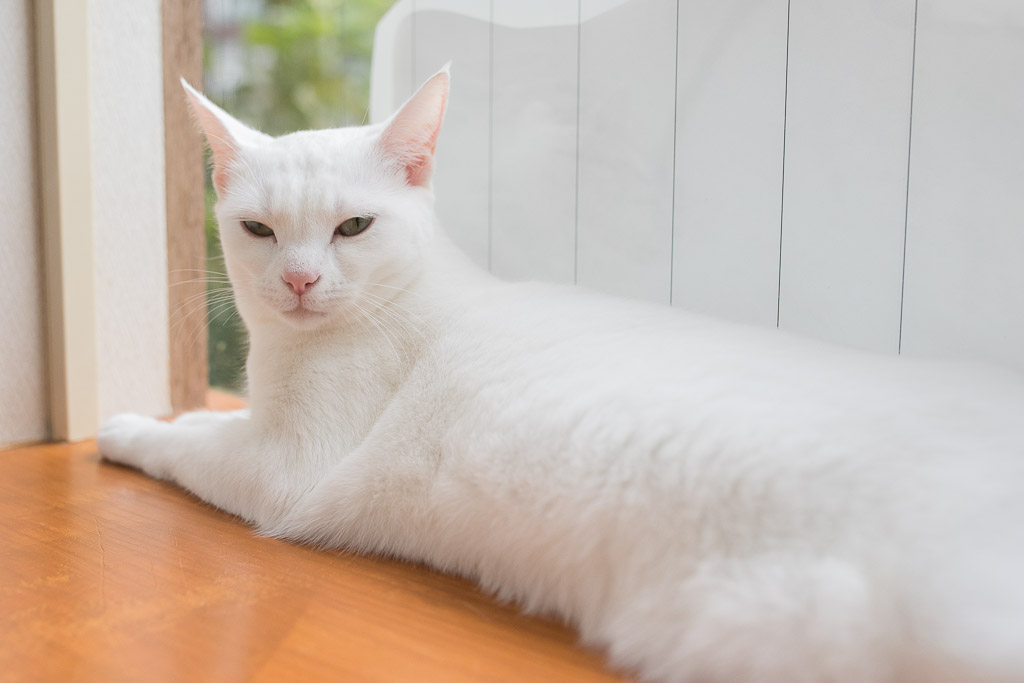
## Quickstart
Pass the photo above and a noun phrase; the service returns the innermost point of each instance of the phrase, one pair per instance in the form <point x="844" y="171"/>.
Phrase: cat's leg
<point x="375" y="499"/>
<point x="201" y="417"/>
<point x="216" y="455"/>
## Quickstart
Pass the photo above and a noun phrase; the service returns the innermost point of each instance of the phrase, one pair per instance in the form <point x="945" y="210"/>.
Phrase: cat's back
<point x="535" y="340"/>
<point x="583" y="387"/>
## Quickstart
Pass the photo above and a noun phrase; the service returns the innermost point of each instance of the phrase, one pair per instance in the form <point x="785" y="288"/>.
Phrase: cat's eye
<point x="257" y="228"/>
<point x="354" y="226"/>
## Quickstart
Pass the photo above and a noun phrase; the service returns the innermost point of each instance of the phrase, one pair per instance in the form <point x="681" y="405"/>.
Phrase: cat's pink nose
<point x="300" y="281"/>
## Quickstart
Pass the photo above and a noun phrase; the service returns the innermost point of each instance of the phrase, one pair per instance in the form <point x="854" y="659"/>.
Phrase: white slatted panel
<point x="520" y="185"/>
<point x="392" y="73"/>
<point x="965" y="237"/>
<point x="730" y="118"/>
<point x="446" y="30"/>
<point x="533" y="204"/>
<point x="847" y="127"/>
<point x="626" y="133"/>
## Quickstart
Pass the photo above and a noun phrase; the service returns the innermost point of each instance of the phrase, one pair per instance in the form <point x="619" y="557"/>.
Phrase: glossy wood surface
<point x="107" y="575"/>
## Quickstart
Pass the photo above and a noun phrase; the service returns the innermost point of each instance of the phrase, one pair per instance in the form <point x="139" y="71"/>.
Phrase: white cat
<point x="708" y="503"/>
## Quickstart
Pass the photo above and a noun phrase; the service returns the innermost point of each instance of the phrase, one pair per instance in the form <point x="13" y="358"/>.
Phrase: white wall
<point x="964" y="285"/>
<point x="129" y="214"/>
<point x="126" y="72"/>
<point x="848" y="170"/>
<point x="844" y="205"/>
<point x="23" y="399"/>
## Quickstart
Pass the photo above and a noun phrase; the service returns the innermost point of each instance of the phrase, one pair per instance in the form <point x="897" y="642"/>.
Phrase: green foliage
<point x="227" y="341"/>
<point x="308" y="66"/>
<point x="315" y="56"/>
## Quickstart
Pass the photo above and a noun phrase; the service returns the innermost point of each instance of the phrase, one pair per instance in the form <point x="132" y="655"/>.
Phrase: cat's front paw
<point x="121" y="438"/>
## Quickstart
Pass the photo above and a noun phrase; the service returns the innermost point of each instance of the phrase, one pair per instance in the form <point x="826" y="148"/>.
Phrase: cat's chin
<point x="304" y="318"/>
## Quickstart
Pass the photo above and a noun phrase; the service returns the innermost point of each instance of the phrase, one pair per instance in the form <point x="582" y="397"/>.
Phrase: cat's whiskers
<point x="197" y="270"/>
<point x="204" y="280"/>
<point x="358" y="319"/>
<point x="219" y="281"/>
<point x="211" y="301"/>
<point x="394" y="303"/>
<point x="196" y="332"/>
<point x="398" y="319"/>
<point x="209" y="297"/>
<point x="229" y="143"/>
<point x="231" y="316"/>
<point x="209" y="277"/>
<point x="218" y="302"/>
<point x="194" y="315"/>
<point x="216" y="312"/>
<point x="388" y="328"/>
<point x="368" y="317"/>
<point x="400" y="289"/>
<point x="396" y="325"/>
<point x="380" y="328"/>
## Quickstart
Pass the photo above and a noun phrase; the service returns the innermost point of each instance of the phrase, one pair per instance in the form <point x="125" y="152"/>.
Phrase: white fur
<point x="707" y="502"/>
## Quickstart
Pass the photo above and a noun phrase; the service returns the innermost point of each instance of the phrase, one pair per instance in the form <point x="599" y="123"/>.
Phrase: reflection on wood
<point x="109" y="575"/>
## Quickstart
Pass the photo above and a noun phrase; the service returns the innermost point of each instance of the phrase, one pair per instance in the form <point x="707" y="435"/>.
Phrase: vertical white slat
<point x="844" y="201"/>
<point x="66" y="180"/>
<point x="730" y="115"/>
<point x="459" y="31"/>
<point x="626" y="132"/>
<point x="533" y="204"/>
<point x="129" y="202"/>
<point x="964" y="291"/>
<point x="391" y="71"/>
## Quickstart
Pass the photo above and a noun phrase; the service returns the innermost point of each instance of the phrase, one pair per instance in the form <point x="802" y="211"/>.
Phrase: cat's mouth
<point x="302" y="313"/>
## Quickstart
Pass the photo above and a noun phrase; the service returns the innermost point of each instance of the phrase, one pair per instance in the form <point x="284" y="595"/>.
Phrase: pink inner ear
<point x="223" y="150"/>
<point x="419" y="173"/>
<point x="413" y="147"/>
<point x="411" y="137"/>
<point x="219" y="176"/>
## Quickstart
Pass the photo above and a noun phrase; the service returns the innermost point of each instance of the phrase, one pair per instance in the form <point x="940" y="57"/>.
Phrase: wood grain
<point x="186" y="237"/>
<point x="107" y="575"/>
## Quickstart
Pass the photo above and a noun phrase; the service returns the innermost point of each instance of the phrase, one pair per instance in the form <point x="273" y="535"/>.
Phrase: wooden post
<point x="186" y="238"/>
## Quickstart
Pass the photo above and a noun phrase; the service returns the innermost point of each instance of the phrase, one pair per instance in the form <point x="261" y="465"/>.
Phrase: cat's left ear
<point x="224" y="134"/>
<point x="411" y="135"/>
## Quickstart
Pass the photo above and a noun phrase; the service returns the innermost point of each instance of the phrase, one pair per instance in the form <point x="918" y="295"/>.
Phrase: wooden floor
<point x="106" y="575"/>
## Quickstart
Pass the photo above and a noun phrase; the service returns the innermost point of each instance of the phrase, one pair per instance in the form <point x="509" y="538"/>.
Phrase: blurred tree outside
<point x="279" y="66"/>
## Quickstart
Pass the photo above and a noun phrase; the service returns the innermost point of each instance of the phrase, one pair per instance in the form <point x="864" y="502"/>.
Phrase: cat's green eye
<point x="257" y="229"/>
<point x="354" y="226"/>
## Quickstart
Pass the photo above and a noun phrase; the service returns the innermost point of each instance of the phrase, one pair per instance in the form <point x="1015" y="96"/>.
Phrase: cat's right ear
<point x="411" y="135"/>
<point x="224" y="134"/>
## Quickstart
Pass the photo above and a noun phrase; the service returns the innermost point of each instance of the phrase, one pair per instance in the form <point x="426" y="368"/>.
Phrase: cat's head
<point x="310" y="222"/>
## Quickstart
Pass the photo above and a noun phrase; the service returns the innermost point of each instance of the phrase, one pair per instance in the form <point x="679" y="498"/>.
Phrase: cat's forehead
<point x="310" y="170"/>
<point x="312" y="153"/>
